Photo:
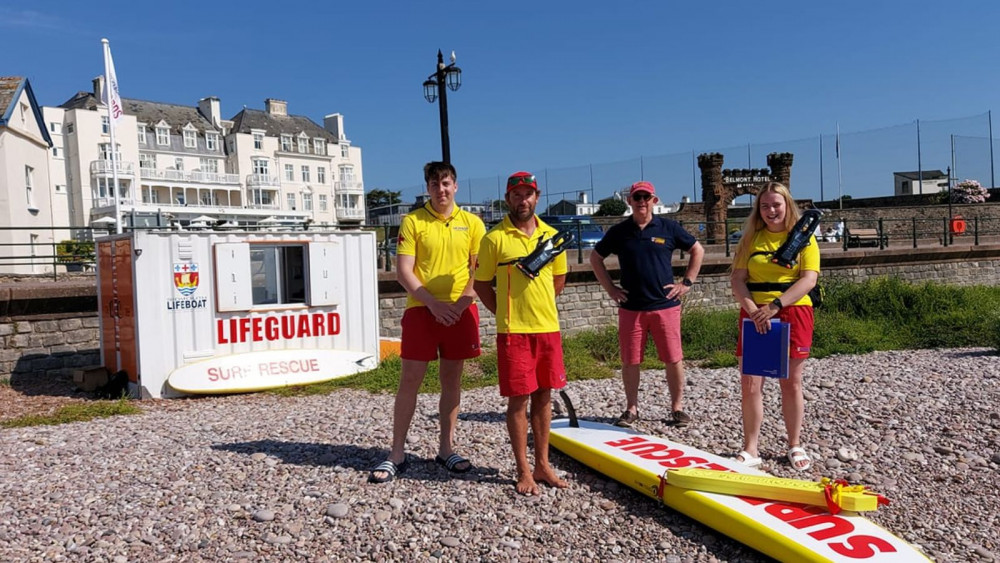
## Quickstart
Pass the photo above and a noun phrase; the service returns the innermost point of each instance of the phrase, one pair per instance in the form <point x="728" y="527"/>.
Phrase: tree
<point x="611" y="208"/>
<point x="382" y="198"/>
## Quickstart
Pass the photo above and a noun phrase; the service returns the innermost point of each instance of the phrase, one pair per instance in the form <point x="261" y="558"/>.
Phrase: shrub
<point x="969" y="191"/>
<point x="75" y="251"/>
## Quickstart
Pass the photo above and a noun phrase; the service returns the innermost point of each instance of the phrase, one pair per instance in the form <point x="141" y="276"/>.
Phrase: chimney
<point x="99" y="87"/>
<point x="211" y="108"/>
<point x="276" y="107"/>
<point x="583" y="197"/>
<point x="334" y="123"/>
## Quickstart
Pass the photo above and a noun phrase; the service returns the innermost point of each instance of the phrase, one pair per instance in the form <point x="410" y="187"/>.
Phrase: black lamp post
<point x="434" y="89"/>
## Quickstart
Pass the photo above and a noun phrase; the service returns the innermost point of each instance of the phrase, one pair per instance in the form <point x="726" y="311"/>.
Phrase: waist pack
<point x="816" y="294"/>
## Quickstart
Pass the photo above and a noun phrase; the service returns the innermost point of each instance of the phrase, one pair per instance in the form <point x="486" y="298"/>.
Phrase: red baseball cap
<point x="522" y="179"/>
<point x="642" y="187"/>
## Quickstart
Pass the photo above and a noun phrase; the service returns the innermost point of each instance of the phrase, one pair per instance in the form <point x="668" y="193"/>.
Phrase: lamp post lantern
<point x="436" y="88"/>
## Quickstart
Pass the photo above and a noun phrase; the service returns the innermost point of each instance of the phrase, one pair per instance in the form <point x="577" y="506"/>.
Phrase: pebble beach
<point x="267" y="478"/>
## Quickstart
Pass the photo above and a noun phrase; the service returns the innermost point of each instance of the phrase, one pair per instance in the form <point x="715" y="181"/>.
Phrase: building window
<point x="105" y="150"/>
<point x="70" y="128"/>
<point x="162" y="136"/>
<point x="142" y="135"/>
<point x="232" y="145"/>
<point x="212" y="141"/>
<point x="289" y="173"/>
<point x="319" y="146"/>
<point x="29" y="180"/>
<point x="286" y="143"/>
<point x="178" y="164"/>
<point x="307" y="202"/>
<point x="305" y="173"/>
<point x="291" y="201"/>
<point x="345" y="151"/>
<point x="347" y="176"/>
<point x="54" y="127"/>
<point x="210" y="165"/>
<point x="322" y="202"/>
<point x="302" y="142"/>
<point x="321" y="174"/>
<point x="105" y="124"/>
<point x="260" y="166"/>
<point x="55" y="152"/>
<point x="190" y="139"/>
<point x="147" y="160"/>
<point x="278" y="274"/>
<point x="258" y="141"/>
<point x="60" y="188"/>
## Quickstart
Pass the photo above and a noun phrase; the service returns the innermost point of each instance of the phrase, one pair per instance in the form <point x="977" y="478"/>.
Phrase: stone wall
<point x="52" y="328"/>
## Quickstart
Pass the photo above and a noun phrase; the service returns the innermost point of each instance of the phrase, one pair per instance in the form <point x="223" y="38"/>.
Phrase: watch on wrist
<point x="777" y="303"/>
<point x="687" y="282"/>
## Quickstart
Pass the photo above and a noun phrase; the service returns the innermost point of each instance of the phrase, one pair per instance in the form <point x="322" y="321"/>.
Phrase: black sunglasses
<point x="642" y="196"/>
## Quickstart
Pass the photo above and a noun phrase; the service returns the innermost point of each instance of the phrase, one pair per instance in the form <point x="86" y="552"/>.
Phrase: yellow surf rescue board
<point x="782" y="530"/>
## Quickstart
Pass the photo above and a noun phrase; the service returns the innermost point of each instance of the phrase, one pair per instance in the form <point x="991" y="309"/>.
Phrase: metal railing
<point x="196" y="177"/>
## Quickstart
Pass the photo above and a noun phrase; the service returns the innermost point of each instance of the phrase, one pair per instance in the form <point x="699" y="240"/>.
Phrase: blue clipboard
<point x="766" y="355"/>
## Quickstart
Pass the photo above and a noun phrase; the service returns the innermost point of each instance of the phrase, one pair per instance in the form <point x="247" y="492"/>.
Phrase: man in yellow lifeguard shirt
<point x="529" y="346"/>
<point x="436" y="257"/>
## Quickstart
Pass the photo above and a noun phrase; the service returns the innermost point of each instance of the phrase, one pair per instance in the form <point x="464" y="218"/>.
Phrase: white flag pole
<point x="111" y="100"/>
<point x="840" y="183"/>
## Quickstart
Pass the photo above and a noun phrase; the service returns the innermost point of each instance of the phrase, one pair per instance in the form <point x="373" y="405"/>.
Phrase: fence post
<point x="975" y="230"/>
<point x="944" y="238"/>
<point x="579" y="242"/>
<point x="882" y="237"/>
<point x="843" y="236"/>
<point x="914" y="232"/>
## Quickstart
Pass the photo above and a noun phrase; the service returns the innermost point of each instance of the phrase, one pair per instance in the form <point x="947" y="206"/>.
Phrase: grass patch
<point x="80" y="412"/>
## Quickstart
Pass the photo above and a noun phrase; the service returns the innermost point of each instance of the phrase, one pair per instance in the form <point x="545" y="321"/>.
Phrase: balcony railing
<point x="105" y="167"/>
<point x="349" y="187"/>
<point x="350" y="214"/>
<point x="197" y="177"/>
<point x="263" y="181"/>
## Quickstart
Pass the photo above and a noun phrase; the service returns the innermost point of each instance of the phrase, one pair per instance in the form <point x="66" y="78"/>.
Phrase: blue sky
<point x="587" y="96"/>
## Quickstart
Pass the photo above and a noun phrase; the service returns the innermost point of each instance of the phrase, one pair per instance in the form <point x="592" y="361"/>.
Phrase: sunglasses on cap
<point x="515" y="181"/>
<point x="642" y="196"/>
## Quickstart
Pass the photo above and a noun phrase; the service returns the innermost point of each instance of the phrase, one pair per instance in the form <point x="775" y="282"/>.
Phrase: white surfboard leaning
<point x="784" y="531"/>
<point x="257" y="371"/>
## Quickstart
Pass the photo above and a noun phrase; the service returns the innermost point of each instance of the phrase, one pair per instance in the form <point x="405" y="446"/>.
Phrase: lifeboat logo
<point x="186" y="278"/>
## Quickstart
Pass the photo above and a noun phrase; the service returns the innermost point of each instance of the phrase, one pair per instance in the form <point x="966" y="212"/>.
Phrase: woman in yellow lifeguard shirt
<point x="783" y="294"/>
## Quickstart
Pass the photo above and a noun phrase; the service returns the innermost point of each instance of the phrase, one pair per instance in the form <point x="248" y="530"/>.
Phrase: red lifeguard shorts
<point x="529" y="362"/>
<point x="800" y="319"/>
<point x="424" y="339"/>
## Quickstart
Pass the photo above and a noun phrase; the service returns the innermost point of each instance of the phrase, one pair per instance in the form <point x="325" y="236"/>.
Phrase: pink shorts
<point x="424" y="338"/>
<point x="663" y="324"/>
<point x="800" y="319"/>
<point x="529" y="362"/>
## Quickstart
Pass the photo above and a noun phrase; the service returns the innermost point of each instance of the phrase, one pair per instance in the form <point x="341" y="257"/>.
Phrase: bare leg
<point x="541" y="420"/>
<point x="451" y="394"/>
<point x="675" y="382"/>
<point x="410" y="378"/>
<point x="752" y="400"/>
<point x="792" y="403"/>
<point x="630" y="380"/>
<point x="517" y="428"/>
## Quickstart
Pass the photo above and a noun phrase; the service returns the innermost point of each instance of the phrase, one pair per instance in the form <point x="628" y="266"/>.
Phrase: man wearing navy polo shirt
<point x="648" y="297"/>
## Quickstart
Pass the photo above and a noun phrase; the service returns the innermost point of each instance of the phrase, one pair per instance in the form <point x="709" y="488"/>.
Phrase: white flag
<point x="111" y="96"/>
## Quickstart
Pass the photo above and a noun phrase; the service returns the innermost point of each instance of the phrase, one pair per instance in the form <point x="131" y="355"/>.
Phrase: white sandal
<point x="797" y="455"/>
<point x="748" y="460"/>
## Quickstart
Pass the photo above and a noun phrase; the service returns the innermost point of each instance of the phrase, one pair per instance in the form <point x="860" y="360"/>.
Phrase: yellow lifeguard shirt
<point x="761" y="270"/>
<point x="524" y="306"/>
<point x="441" y="247"/>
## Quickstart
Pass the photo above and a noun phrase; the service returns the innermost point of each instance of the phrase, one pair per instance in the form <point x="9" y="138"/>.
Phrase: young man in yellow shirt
<point x="529" y="346"/>
<point x="436" y="258"/>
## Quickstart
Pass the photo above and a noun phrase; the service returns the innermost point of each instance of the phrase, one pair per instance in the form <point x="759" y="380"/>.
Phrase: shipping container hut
<point x="212" y="312"/>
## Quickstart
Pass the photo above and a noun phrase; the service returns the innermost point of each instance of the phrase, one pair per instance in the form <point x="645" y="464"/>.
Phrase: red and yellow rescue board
<point x="256" y="371"/>
<point x="784" y="531"/>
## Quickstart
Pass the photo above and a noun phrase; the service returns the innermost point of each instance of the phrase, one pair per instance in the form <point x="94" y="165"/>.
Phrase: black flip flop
<point x="451" y="464"/>
<point x="390" y="469"/>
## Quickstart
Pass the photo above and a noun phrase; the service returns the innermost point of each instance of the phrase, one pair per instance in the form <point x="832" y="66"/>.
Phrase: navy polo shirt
<point x="644" y="257"/>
